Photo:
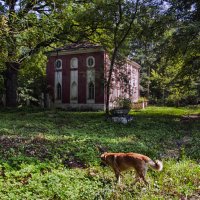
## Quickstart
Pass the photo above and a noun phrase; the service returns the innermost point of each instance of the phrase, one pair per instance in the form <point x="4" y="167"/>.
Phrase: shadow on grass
<point x="70" y="138"/>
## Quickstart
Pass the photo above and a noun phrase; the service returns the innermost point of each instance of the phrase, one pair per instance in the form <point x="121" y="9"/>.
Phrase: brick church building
<point x="76" y="76"/>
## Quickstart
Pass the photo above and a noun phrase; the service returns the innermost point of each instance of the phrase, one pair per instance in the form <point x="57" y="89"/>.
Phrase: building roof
<point x="83" y="47"/>
<point x="135" y="64"/>
<point x="76" y="46"/>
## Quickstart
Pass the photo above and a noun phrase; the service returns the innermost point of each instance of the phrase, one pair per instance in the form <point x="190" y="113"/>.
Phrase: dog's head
<point x="103" y="160"/>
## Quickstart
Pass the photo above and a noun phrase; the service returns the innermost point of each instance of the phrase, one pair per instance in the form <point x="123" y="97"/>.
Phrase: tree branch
<point x="130" y="25"/>
<point x="118" y="23"/>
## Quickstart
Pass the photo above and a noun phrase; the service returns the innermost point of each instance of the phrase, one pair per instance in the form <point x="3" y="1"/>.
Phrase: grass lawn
<point x="53" y="154"/>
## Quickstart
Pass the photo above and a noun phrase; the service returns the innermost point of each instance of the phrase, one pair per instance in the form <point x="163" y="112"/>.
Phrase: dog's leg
<point x="145" y="168"/>
<point x="119" y="179"/>
<point x="142" y="176"/>
<point x="117" y="174"/>
<point x="137" y="179"/>
<point x="141" y="173"/>
<point x="117" y="171"/>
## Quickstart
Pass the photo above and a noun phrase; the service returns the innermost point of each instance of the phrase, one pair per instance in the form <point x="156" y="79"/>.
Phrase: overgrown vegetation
<point x="54" y="155"/>
<point x="162" y="36"/>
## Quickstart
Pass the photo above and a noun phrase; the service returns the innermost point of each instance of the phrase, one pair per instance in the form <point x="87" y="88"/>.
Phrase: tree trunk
<point x="10" y="82"/>
<point x="107" y="98"/>
<point x="108" y="86"/>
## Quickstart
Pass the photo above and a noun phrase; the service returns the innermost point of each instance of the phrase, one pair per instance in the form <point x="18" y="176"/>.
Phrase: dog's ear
<point x="101" y="149"/>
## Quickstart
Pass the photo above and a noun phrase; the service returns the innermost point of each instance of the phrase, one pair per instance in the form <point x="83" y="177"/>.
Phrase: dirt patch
<point x="37" y="146"/>
<point x="74" y="163"/>
<point x="176" y="152"/>
<point x="8" y="142"/>
<point x="71" y="161"/>
<point x="172" y="153"/>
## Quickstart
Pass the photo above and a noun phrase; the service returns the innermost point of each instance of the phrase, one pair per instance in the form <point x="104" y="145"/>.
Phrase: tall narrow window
<point x="91" y="90"/>
<point x="74" y="91"/>
<point x="59" y="91"/>
<point x="58" y="80"/>
<point x="74" y="80"/>
<point x="90" y="85"/>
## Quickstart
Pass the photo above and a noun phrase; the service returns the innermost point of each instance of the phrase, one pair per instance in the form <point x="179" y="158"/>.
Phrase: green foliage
<point x="142" y="99"/>
<point x="122" y="102"/>
<point x="54" y="155"/>
<point x="1" y="85"/>
<point x="167" y="46"/>
<point x="175" y="87"/>
<point x="32" y="78"/>
<point x="163" y="37"/>
<point x="26" y="29"/>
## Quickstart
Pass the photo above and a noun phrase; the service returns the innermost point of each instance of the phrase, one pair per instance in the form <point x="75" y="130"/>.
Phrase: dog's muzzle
<point x="103" y="161"/>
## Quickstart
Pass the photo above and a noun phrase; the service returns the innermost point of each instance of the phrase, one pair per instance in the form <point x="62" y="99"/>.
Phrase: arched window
<point x="91" y="90"/>
<point x="58" y="64"/>
<point x="74" y="63"/>
<point x="90" y="61"/>
<point x="74" y="91"/>
<point x="59" y="91"/>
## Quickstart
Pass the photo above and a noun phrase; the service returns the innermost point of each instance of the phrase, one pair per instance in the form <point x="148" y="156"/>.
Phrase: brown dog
<point x="125" y="161"/>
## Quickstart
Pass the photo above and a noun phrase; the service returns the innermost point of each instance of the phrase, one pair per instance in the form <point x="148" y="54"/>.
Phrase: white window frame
<point x="55" y="64"/>
<point x="71" y="61"/>
<point x="58" y="79"/>
<point x="90" y="101"/>
<point x="87" y="60"/>
<point x="73" y="78"/>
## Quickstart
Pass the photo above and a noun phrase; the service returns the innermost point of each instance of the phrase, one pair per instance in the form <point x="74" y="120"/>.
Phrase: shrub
<point x="142" y="99"/>
<point x="123" y="102"/>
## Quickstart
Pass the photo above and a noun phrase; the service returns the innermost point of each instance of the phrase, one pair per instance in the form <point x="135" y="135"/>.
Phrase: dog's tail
<point x="156" y="165"/>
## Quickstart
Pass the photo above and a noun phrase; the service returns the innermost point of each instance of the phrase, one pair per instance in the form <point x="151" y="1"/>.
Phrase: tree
<point x="134" y="29"/>
<point x="168" y="46"/>
<point x="121" y="17"/>
<point x="114" y="21"/>
<point x="183" y="51"/>
<point x="26" y="28"/>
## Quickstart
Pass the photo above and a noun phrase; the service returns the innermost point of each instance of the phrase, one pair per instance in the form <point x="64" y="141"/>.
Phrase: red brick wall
<point x="99" y="77"/>
<point x="65" y="79"/>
